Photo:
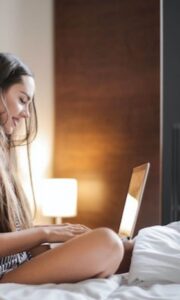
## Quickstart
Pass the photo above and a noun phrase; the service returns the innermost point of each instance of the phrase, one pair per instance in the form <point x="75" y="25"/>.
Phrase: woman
<point x="83" y="253"/>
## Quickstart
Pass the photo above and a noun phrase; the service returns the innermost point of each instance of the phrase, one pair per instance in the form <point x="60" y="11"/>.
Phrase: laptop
<point x="133" y="200"/>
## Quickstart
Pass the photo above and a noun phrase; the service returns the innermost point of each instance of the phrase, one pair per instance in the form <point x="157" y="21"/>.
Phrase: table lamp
<point x="59" y="198"/>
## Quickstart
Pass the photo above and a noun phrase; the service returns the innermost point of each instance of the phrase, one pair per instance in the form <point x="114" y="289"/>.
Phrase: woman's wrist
<point x="42" y="233"/>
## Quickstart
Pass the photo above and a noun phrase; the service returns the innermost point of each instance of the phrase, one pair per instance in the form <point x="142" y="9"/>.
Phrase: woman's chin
<point x="9" y="131"/>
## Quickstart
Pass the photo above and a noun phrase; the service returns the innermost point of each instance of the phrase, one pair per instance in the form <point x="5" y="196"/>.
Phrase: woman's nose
<point x="26" y="112"/>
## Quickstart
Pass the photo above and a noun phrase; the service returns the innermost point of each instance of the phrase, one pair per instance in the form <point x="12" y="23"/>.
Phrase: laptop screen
<point x="133" y="200"/>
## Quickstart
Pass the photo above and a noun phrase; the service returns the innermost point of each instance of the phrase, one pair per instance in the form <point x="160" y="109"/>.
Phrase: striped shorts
<point x="11" y="262"/>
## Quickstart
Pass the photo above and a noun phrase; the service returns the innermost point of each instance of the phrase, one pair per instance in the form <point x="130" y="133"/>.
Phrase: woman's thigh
<point x="91" y="254"/>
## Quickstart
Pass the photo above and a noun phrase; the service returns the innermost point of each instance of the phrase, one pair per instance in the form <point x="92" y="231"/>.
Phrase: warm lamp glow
<point x="129" y="215"/>
<point x="59" y="197"/>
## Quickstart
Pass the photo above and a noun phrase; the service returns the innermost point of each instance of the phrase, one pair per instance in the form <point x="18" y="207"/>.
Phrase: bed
<point x="154" y="274"/>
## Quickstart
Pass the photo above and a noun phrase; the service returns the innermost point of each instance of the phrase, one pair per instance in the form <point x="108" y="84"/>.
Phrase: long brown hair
<point x="14" y="206"/>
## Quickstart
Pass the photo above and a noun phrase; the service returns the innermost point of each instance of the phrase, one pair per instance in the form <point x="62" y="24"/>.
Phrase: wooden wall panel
<point x="107" y="104"/>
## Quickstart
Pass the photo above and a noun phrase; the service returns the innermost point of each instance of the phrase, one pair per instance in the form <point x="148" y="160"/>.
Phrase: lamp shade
<point x="59" y="197"/>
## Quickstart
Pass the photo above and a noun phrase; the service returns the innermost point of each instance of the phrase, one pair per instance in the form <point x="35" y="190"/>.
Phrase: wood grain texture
<point x="107" y="104"/>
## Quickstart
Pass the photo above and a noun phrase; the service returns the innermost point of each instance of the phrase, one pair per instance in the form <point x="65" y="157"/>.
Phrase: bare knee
<point x="112" y="251"/>
<point x="109" y="238"/>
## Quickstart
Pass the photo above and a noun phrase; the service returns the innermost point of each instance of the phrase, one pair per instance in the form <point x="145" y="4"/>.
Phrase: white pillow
<point x="156" y="255"/>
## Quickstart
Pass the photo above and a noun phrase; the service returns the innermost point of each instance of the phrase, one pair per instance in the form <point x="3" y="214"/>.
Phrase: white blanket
<point x="100" y="289"/>
<point x="156" y="255"/>
<point x="157" y="240"/>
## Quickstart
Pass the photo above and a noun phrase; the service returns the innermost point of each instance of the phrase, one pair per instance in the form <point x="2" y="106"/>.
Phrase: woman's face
<point x="17" y="99"/>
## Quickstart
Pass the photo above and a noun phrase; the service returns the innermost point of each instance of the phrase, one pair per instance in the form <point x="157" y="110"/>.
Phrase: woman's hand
<point x="62" y="232"/>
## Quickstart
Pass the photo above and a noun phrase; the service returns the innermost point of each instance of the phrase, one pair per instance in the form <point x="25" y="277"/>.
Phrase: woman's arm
<point x="40" y="249"/>
<point x="14" y="242"/>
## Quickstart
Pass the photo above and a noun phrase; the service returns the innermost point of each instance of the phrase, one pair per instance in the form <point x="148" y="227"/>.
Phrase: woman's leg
<point x="97" y="253"/>
<point x="126" y="261"/>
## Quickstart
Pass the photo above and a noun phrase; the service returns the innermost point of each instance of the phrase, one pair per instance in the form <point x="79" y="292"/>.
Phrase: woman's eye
<point x="22" y="100"/>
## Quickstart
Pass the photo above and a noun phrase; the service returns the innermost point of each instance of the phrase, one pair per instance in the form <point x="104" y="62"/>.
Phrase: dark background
<point x="109" y="113"/>
<point x="171" y="112"/>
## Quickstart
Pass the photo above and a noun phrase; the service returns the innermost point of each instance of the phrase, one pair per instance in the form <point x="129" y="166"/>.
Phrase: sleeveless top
<point x="10" y="262"/>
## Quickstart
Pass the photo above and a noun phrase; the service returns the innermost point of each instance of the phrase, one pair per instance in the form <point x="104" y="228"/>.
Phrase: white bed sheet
<point x="100" y="289"/>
